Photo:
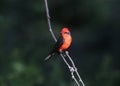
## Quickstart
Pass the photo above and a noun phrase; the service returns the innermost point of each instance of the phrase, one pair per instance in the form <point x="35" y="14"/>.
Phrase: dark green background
<point x="25" y="41"/>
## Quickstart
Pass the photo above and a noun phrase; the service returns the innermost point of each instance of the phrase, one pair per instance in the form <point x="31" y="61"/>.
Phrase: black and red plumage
<point x="62" y="44"/>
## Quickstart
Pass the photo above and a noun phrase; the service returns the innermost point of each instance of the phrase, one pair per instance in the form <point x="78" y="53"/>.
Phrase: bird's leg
<point x="62" y="52"/>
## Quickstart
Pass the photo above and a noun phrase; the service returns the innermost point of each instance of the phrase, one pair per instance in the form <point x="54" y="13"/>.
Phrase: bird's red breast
<point x="67" y="39"/>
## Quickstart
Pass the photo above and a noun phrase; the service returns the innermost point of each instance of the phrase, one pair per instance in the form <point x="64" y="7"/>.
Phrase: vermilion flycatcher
<point x="63" y="42"/>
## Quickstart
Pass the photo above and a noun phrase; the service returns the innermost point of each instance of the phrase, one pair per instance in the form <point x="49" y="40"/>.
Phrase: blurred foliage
<point x="25" y="41"/>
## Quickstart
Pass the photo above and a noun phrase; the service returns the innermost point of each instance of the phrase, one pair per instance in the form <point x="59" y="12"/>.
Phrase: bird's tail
<point x="51" y="54"/>
<point x="47" y="57"/>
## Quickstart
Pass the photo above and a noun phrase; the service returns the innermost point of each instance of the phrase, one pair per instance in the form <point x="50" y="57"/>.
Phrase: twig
<point x="67" y="53"/>
<point x="71" y="68"/>
<point x="48" y="19"/>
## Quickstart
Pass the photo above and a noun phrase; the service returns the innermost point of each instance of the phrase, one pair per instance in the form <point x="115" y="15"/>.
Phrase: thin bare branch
<point x="71" y="69"/>
<point x="48" y="19"/>
<point x="75" y="69"/>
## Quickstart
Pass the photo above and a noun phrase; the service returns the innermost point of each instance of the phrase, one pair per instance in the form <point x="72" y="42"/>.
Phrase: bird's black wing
<point x="58" y="44"/>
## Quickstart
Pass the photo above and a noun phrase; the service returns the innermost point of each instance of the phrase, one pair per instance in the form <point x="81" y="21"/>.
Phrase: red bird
<point x="62" y="44"/>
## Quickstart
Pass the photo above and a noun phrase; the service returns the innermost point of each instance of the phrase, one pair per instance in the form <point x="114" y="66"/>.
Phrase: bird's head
<point x="65" y="31"/>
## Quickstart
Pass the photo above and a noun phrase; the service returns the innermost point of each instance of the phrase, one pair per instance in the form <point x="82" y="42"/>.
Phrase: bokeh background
<point x="25" y="41"/>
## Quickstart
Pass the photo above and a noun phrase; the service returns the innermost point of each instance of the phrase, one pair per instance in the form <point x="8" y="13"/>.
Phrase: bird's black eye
<point x="66" y="32"/>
